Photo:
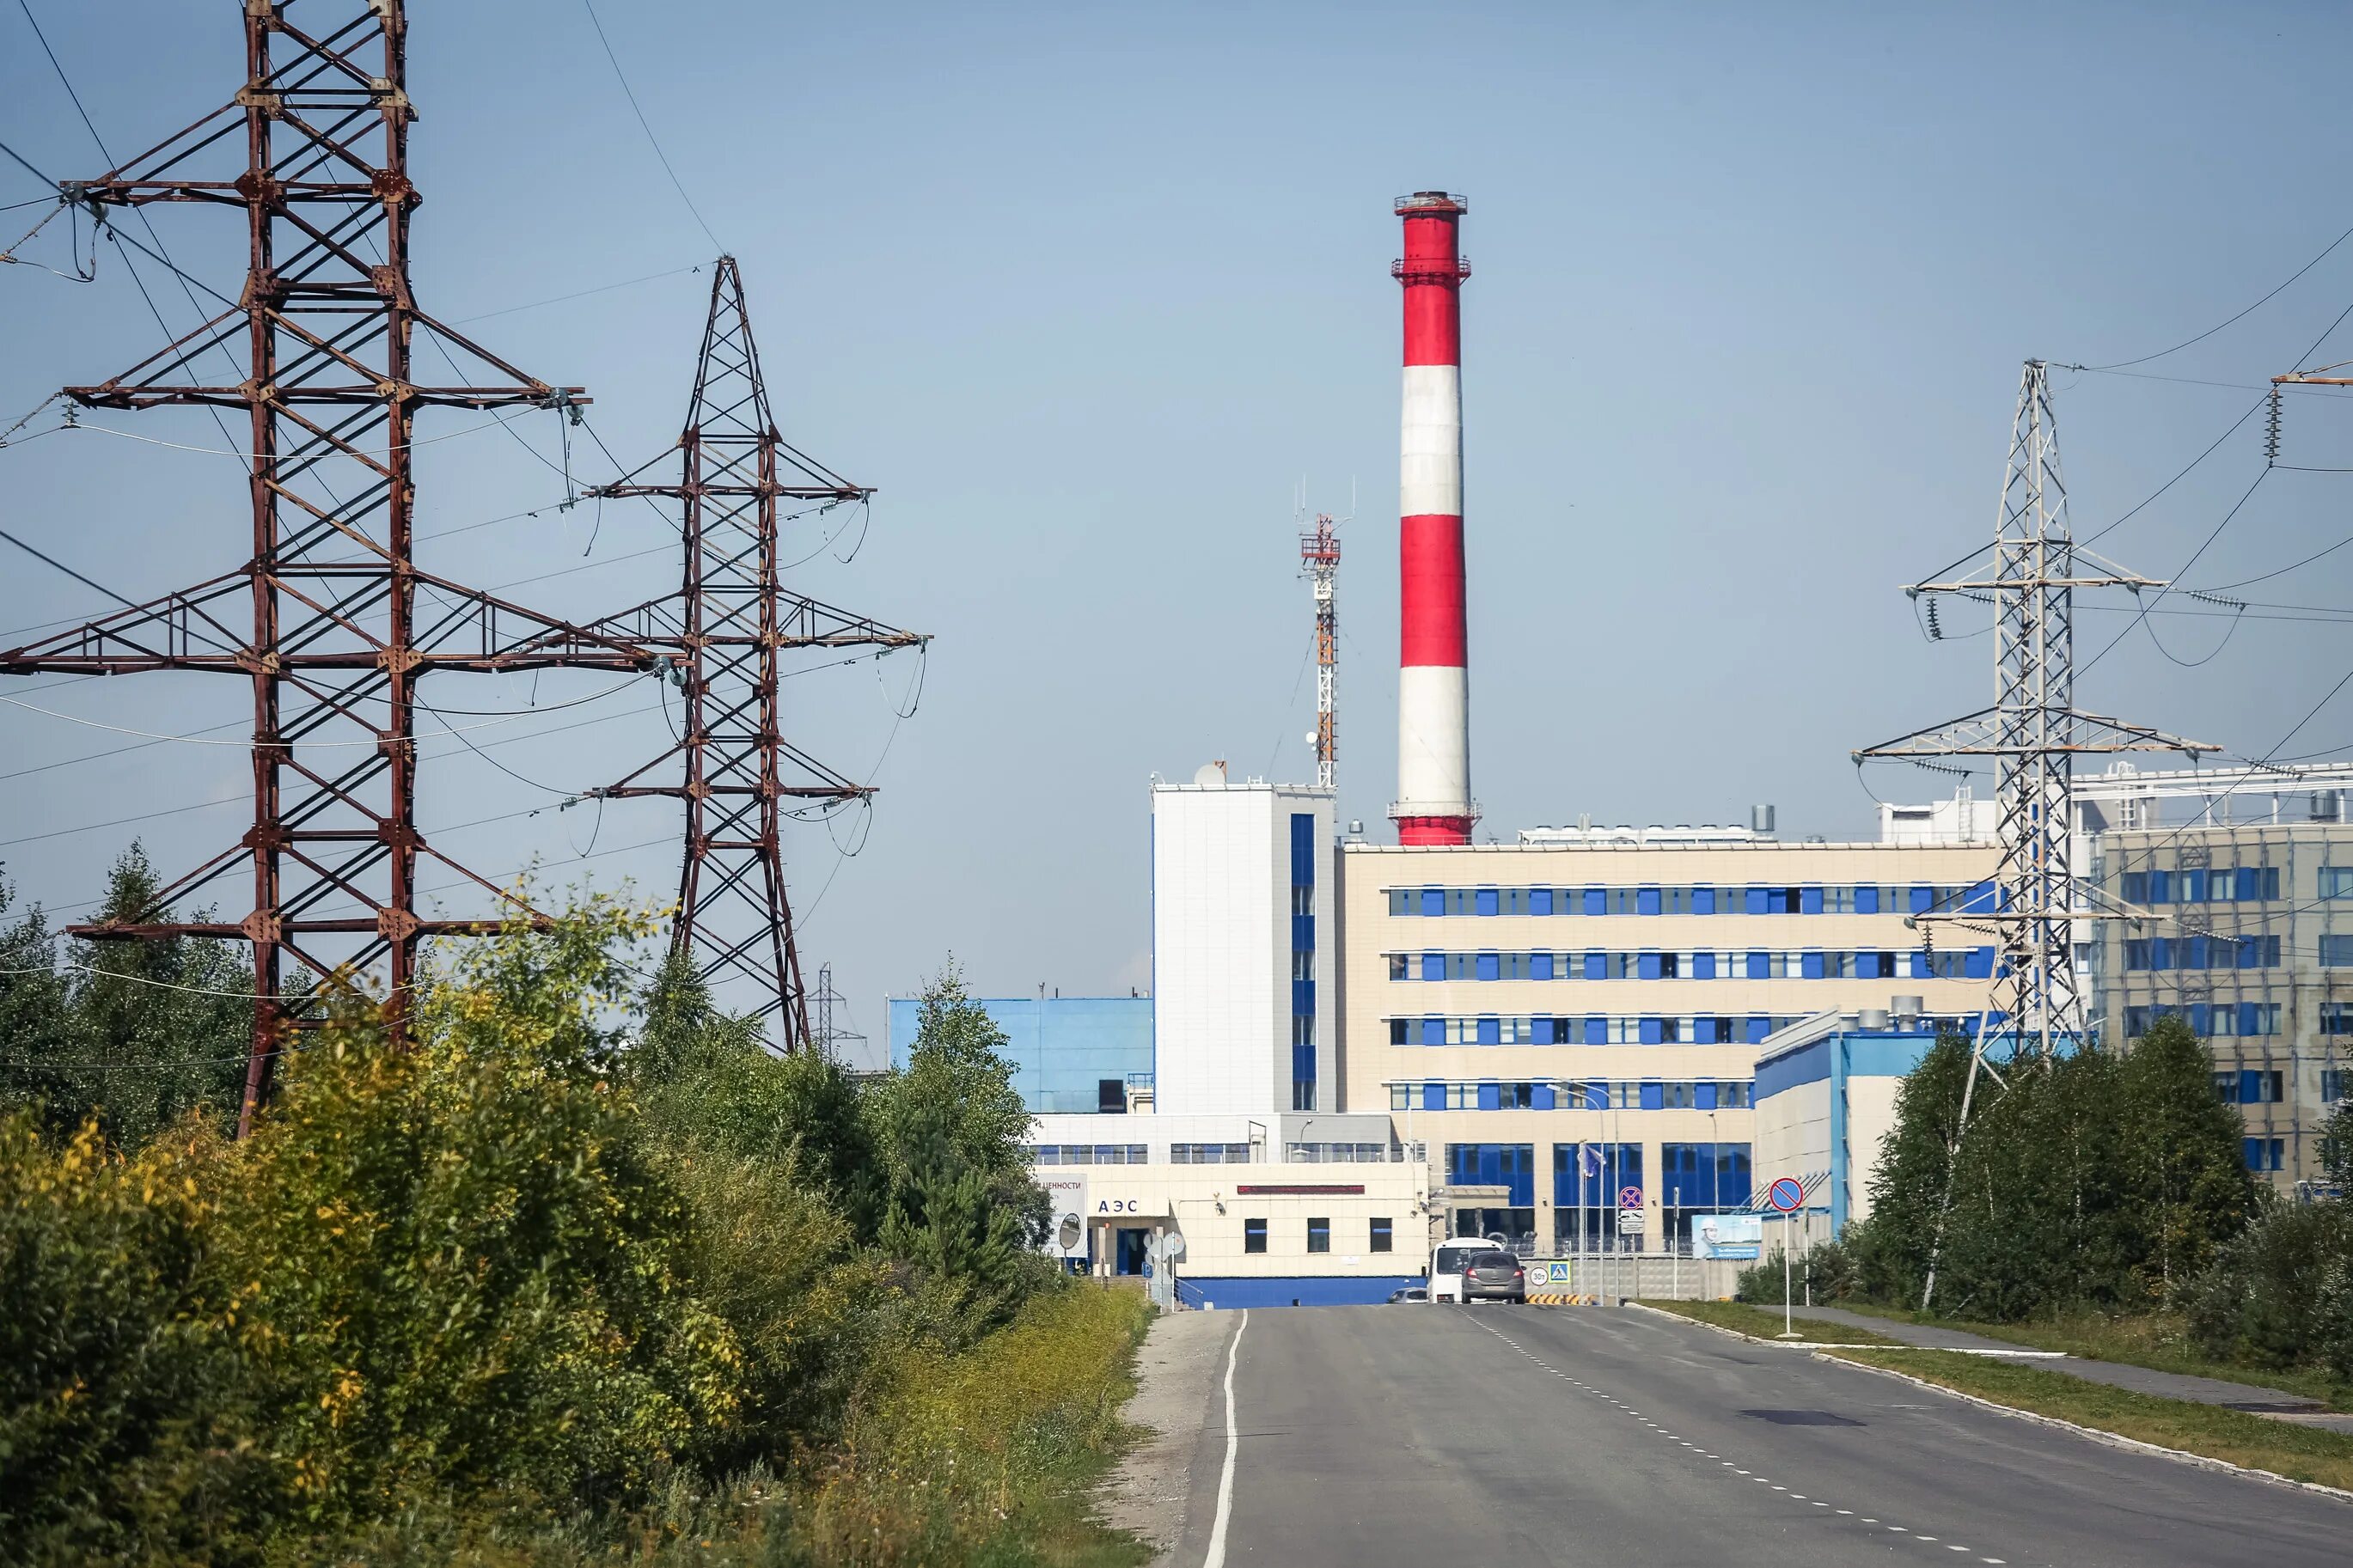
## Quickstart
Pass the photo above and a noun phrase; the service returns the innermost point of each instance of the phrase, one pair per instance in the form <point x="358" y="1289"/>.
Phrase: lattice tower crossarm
<point x="329" y="620"/>
<point x="725" y="629"/>
<point x="2033" y="732"/>
<point x="1319" y="562"/>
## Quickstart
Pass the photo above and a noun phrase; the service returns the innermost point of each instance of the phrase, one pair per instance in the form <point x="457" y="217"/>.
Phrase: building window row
<point x="2213" y="1020"/>
<point x="1753" y="899"/>
<point x="1586" y="1030"/>
<point x="1208" y="1153"/>
<point x="1654" y="963"/>
<point x="1092" y="1153"/>
<point x="1594" y="1176"/>
<point x="1580" y="1094"/>
<point x="2251" y="1086"/>
<point x="1379" y="1235"/>
<point x="2211" y="885"/>
<point x="2258" y="951"/>
<point x="1336" y="1153"/>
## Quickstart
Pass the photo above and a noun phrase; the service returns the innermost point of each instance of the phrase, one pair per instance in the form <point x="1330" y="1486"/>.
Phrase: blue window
<point x="1756" y="901"/>
<point x="2193" y="885"/>
<point x="1980" y="964"/>
<point x="1540" y="966"/>
<point x="2160" y="887"/>
<point x="1758" y="1027"/>
<point x="1866" y="900"/>
<point x="1924" y="899"/>
<point x="1760" y="965"/>
<point x="1705" y="1099"/>
<point x="1654" y="1095"/>
<point x="1646" y="900"/>
<point x="1597" y="1031"/>
<point x="1809" y="901"/>
<point x="1433" y="1097"/>
<point x="1433" y="967"/>
<point x="1647" y="965"/>
<point x="1597" y="966"/>
<point x="1491" y="1031"/>
<point x="1810" y="965"/>
<point x="1491" y="1096"/>
<point x="1486" y="902"/>
<point x="1433" y="902"/>
<point x="1652" y="1033"/>
<point x="2264" y="1154"/>
<point x="1303" y="999"/>
<point x="1433" y="1031"/>
<point x="1703" y="900"/>
<point x="1703" y="966"/>
<point x="1302" y="850"/>
<point x="2133" y="887"/>
<point x="1540" y="1030"/>
<point x="1490" y="966"/>
<point x="1539" y="901"/>
<point x="1597" y="900"/>
<point x="1541" y="1099"/>
<point x="1921" y="968"/>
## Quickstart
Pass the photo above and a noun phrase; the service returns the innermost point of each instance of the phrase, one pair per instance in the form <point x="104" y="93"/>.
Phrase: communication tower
<point x="1319" y="562"/>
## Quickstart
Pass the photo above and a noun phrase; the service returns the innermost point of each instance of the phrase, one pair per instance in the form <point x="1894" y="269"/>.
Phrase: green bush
<point x="532" y="1287"/>
<point x="2280" y="1293"/>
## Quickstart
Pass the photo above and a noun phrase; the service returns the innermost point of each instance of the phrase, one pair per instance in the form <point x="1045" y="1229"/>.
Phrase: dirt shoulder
<point x="1176" y="1382"/>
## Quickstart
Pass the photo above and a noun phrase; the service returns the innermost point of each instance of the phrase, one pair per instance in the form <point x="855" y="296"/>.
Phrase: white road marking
<point x="1216" y="1555"/>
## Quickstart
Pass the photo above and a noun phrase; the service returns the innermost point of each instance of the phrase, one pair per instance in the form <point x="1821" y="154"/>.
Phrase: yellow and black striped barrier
<point x="1561" y="1299"/>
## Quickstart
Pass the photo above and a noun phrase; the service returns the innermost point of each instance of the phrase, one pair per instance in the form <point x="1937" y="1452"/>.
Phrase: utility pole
<point x="724" y="631"/>
<point x="329" y="620"/>
<point x="2034" y="734"/>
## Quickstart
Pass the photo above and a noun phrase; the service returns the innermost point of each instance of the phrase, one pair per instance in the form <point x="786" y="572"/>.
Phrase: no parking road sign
<point x="1787" y="1195"/>
<point x="1629" y="1197"/>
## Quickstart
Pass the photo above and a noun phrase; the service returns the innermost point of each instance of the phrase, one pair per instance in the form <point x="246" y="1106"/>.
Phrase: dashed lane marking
<point x="1693" y="1447"/>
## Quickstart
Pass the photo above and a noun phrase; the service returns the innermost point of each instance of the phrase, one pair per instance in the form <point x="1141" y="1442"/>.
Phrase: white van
<point x="1446" y="1264"/>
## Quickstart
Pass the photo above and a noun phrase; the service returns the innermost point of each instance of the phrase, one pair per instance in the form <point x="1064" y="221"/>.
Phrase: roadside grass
<point x="2158" y="1340"/>
<point x="989" y="1457"/>
<point x="1765" y="1322"/>
<point x="2300" y="1453"/>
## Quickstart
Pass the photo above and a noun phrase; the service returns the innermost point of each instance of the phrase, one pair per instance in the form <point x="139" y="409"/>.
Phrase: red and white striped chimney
<point x="1433" y="804"/>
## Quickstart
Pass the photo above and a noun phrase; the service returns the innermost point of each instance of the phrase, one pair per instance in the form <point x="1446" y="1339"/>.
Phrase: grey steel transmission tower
<point x="727" y="629"/>
<point x="2034" y="734"/>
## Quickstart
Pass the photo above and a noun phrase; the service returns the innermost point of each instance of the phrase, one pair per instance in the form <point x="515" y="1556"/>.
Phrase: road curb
<point x="1752" y="1339"/>
<point x="2112" y="1439"/>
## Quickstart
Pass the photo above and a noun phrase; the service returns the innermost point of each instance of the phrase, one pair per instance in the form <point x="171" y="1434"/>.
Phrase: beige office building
<point x="1576" y="1017"/>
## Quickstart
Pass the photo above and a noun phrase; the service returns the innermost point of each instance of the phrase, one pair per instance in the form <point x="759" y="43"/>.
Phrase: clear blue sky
<point x="1087" y="290"/>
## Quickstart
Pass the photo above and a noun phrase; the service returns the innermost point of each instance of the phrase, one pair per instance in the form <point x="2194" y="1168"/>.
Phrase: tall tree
<point x="2190" y="1186"/>
<point x="162" y="1026"/>
<point x="37" y="1065"/>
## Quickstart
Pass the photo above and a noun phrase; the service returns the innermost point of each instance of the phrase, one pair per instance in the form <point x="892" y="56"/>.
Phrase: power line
<point x="2239" y="317"/>
<point x="578" y="294"/>
<point x="622" y="77"/>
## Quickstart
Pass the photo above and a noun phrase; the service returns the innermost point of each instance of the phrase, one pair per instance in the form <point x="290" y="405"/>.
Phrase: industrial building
<point x="1575" y="1018"/>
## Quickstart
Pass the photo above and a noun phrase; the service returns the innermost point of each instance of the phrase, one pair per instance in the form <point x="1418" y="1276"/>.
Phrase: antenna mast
<point x="1319" y="562"/>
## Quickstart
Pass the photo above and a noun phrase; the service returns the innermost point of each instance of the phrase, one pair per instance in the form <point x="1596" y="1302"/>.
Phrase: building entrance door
<point x="1128" y="1253"/>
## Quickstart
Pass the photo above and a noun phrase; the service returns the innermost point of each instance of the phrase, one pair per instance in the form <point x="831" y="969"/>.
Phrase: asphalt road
<point x="1438" y="1437"/>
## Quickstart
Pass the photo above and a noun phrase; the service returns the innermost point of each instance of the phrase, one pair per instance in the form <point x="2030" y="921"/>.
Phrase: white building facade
<point x="1243" y="964"/>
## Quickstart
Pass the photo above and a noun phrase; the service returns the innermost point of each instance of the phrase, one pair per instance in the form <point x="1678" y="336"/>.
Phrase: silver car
<point x="1494" y="1276"/>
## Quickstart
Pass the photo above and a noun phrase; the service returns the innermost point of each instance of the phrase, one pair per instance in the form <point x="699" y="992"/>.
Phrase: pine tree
<point x="37" y="1066"/>
<point x="167" y="1021"/>
<point x="2189" y="1183"/>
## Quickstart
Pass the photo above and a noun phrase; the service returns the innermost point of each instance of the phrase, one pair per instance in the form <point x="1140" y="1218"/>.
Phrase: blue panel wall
<point x="1061" y="1047"/>
<point x="1235" y="1292"/>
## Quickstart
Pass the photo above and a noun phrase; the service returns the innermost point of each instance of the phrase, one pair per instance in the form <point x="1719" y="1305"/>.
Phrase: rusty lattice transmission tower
<point x="727" y="629"/>
<point x="329" y="620"/>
